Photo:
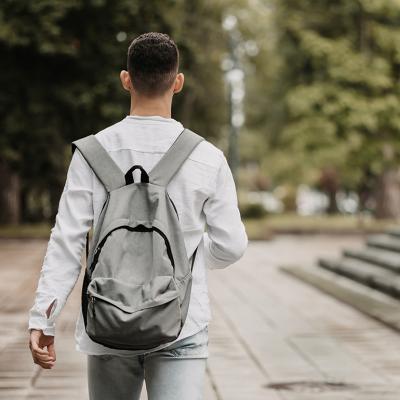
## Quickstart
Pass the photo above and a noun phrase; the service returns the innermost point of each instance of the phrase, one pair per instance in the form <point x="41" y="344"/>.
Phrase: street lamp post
<point x="234" y="77"/>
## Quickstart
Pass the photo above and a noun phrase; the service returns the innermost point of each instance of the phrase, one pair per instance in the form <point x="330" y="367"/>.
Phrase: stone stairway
<point x="367" y="278"/>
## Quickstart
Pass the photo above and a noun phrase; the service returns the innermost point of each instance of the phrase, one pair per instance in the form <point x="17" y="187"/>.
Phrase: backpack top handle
<point x="144" y="177"/>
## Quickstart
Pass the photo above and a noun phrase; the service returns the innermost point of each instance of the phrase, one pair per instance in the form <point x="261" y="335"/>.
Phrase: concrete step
<point x="368" y="274"/>
<point x="371" y="302"/>
<point x="374" y="255"/>
<point x="394" y="232"/>
<point x="384" y="241"/>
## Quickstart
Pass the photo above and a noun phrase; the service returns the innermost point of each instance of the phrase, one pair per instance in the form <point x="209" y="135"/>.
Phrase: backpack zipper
<point x="138" y="228"/>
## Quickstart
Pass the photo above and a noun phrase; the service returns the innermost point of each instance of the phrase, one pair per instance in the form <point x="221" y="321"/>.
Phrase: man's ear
<point x="179" y="81"/>
<point x="125" y="80"/>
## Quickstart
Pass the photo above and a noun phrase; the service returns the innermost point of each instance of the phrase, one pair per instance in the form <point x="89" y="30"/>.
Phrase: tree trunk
<point x="55" y="192"/>
<point x="388" y="194"/>
<point x="332" y="205"/>
<point x="329" y="183"/>
<point x="10" y="210"/>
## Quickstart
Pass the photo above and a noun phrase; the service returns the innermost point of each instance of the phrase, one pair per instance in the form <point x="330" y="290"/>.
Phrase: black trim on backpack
<point x="193" y="257"/>
<point x="84" y="297"/>
<point x="173" y="205"/>
<point x="87" y="246"/>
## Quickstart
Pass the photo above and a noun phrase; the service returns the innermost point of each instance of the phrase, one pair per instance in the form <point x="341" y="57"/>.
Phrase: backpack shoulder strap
<point x="173" y="159"/>
<point x="100" y="161"/>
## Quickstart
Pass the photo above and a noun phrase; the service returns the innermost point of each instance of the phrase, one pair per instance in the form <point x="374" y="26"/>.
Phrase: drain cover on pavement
<point x="310" y="386"/>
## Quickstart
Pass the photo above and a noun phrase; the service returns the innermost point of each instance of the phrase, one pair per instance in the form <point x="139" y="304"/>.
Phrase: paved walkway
<point x="270" y="333"/>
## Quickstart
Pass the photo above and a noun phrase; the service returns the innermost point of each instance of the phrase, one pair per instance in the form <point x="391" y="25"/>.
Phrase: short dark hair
<point x="153" y="62"/>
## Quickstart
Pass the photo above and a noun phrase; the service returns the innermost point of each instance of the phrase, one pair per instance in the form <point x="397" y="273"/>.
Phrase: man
<point x="204" y="194"/>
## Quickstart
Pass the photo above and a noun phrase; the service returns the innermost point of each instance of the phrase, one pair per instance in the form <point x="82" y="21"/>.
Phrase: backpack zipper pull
<point x="92" y="301"/>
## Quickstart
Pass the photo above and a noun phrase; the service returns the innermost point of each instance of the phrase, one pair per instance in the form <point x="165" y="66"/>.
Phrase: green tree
<point x="60" y="81"/>
<point x="335" y="117"/>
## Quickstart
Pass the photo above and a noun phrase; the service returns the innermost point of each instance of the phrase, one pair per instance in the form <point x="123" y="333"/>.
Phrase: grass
<point x="25" y="231"/>
<point x="266" y="227"/>
<point x="257" y="228"/>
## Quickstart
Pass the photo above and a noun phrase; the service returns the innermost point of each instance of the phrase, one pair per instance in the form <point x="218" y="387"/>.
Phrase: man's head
<point x="153" y="62"/>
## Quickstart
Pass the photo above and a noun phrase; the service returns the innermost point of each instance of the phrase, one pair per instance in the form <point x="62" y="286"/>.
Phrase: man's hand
<point x="37" y="343"/>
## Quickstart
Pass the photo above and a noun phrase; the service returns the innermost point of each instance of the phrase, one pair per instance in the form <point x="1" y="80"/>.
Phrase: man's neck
<point x="145" y="106"/>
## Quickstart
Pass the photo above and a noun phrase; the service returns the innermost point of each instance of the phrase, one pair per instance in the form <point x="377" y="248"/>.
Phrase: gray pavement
<point x="271" y="337"/>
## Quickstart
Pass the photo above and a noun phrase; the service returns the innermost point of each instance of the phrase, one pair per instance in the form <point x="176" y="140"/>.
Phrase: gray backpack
<point x="138" y="277"/>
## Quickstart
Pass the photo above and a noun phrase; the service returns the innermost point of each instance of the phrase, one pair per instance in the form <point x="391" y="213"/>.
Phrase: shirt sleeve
<point x="225" y="240"/>
<point x="62" y="262"/>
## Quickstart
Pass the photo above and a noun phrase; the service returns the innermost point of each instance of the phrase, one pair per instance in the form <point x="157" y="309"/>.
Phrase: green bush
<point x="252" y="210"/>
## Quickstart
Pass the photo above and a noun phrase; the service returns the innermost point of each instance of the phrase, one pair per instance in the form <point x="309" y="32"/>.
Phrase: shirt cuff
<point x="42" y="323"/>
<point x="39" y="320"/>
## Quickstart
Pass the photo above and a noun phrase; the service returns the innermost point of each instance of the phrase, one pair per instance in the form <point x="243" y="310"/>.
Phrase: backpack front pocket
<point x="133" y="317"/>
<point x="133" y="254"/>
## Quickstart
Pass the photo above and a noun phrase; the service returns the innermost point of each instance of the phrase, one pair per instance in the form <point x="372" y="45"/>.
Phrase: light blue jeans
<point x="175" y="372"/>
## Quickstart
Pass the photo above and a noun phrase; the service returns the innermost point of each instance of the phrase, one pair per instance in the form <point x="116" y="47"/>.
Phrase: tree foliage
<point x="60" y="78"/>
<point x="333" y="90"/>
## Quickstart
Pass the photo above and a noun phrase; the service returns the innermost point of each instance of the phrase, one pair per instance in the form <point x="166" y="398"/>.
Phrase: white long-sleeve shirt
<point x="203" y="191"/>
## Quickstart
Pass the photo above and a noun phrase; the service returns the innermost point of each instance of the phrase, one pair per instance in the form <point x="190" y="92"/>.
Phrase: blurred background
<point x="303" y="97"/>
